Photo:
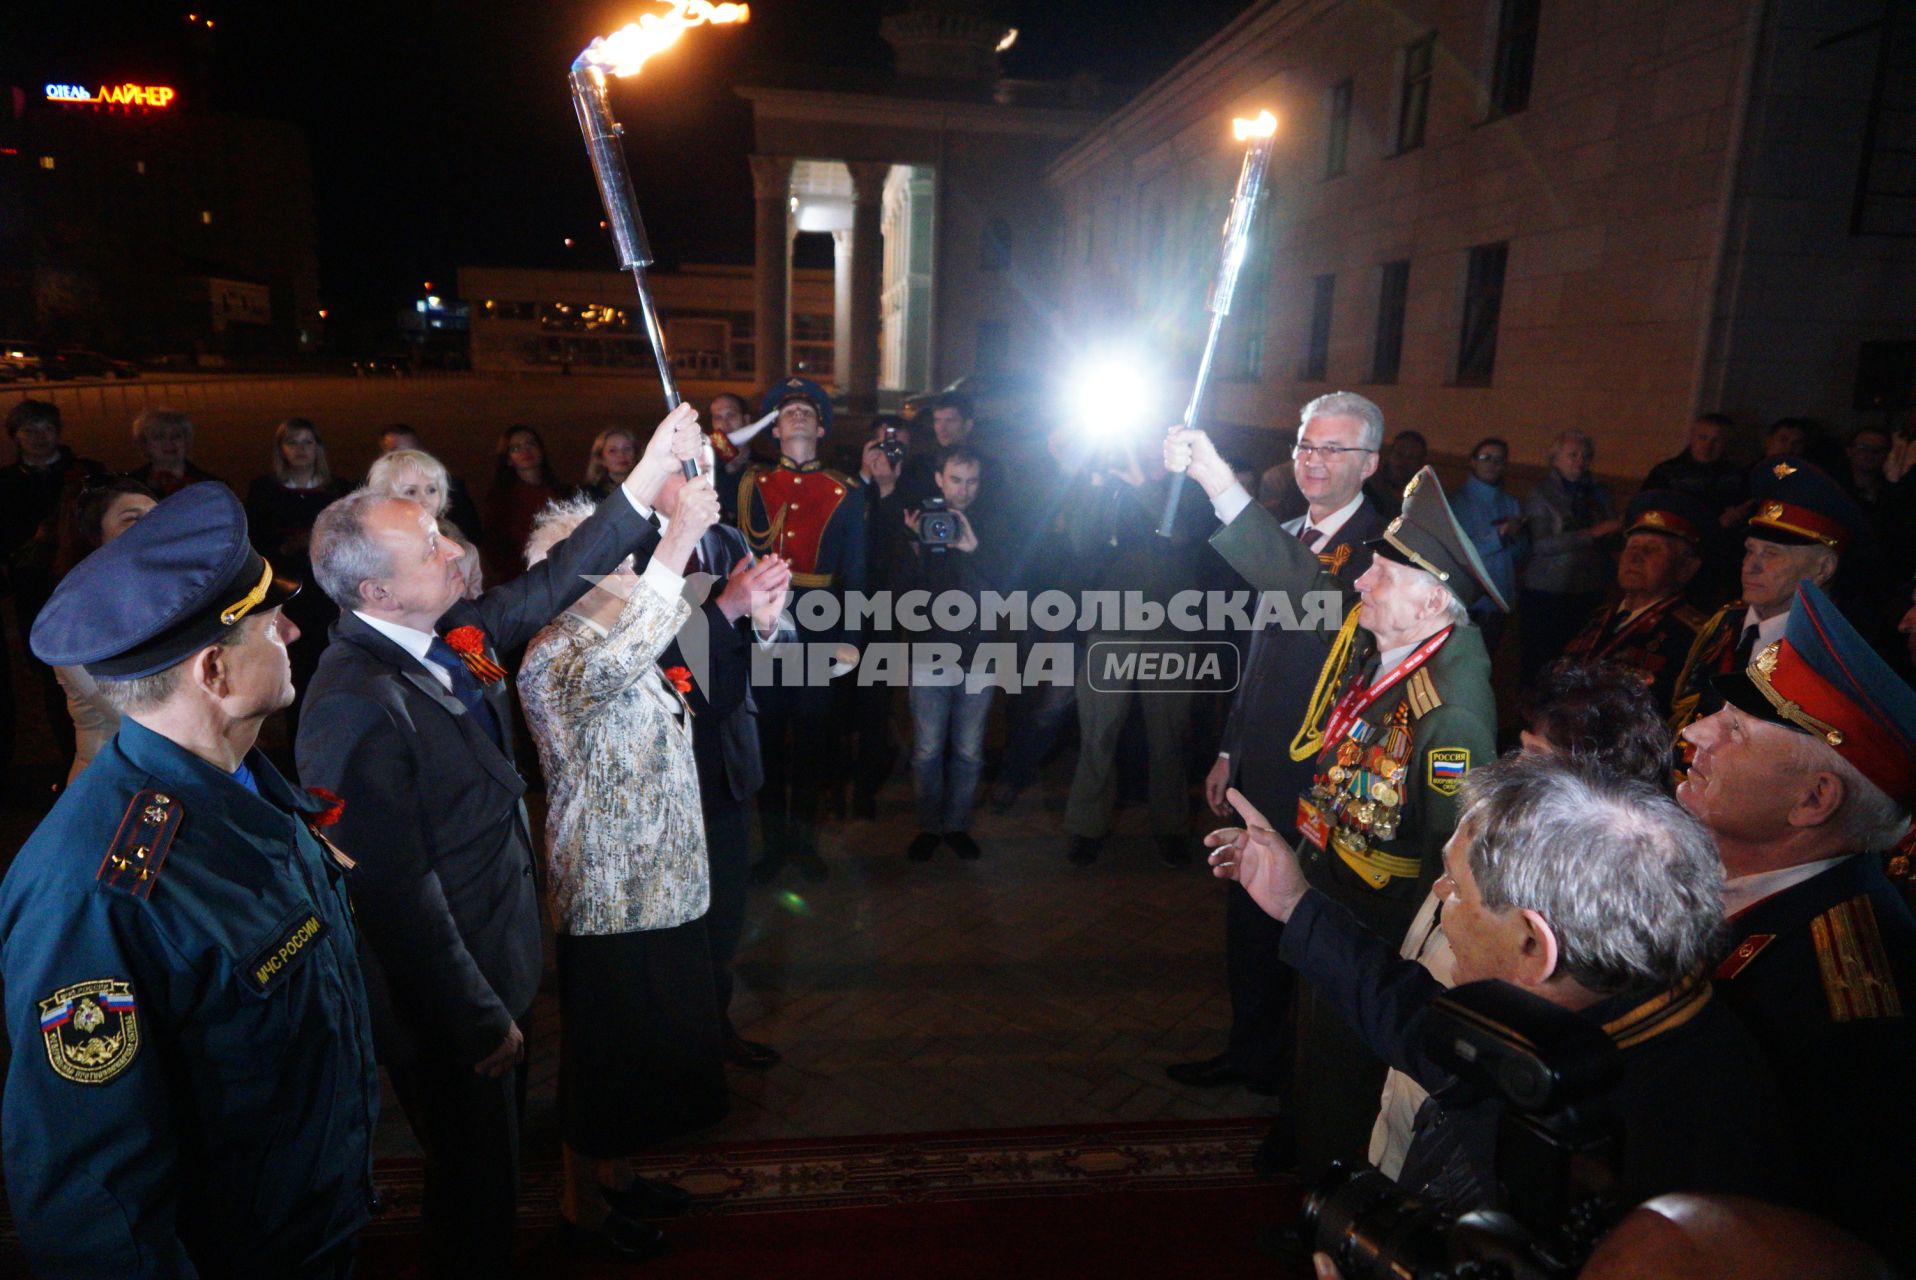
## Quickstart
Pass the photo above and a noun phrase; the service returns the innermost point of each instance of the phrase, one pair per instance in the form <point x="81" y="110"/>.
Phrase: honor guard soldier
<point x="814" y="518"/>
<point x="1402" y="711"/>
<point x="1807" y="777"/>
<point x="192" y="1089"/>
<point x="1651" y="625"/>
<point x="1800" y="525"/>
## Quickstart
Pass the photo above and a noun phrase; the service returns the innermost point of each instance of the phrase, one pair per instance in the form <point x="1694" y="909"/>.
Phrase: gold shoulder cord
<point x="761" y="541"/>
<point x="1683" y="705"/>
<point x="1310" y="734"/>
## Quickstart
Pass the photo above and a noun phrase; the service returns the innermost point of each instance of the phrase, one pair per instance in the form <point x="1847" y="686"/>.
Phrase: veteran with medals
<point x="192" y="1090"/>
<point x="1403" y="711"/>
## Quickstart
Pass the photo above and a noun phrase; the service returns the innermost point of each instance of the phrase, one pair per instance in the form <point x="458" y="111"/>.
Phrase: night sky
<point x="441" y="133"/>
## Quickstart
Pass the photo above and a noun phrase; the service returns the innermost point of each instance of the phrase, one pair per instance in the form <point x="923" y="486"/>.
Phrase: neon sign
<point x="117" y="95"/>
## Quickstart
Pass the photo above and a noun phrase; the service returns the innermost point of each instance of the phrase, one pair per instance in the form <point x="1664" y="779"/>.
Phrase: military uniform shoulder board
<point x="844" y="481"/>
<point x="1857" y="980"/>
<point x="1421" y="692"/>
<point x="1739" y="960"/>
<point x="139" y="848"/>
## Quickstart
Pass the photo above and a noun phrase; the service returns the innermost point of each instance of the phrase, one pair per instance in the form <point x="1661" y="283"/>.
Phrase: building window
<point x="1337" y="144"/>
<point x="1413" y="93"/>
<point x="1387" y="354"/>
<point x="139" y="166"/>
<point x="1515" y="56"/>
<point x="994" y="248"/>
<point x="206" y="217"/>
<point x="1483" y="301"/>
<point x="46" y="162"/>
<point x="1317" y="355"/>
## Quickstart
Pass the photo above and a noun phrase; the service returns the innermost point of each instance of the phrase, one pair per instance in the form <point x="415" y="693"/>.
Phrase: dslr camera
<point x="938" y="525"/>
<point x="1558" y="1152"/>
<point x="891" y="446"/>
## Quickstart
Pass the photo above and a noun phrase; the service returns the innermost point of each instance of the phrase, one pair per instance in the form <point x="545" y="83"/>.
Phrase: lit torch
<point x="1258" y="134"/>
<point x="622" y="54"/>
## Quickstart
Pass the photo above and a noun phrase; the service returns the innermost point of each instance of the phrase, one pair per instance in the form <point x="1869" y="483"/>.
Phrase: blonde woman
<point x="417" y="475"/>
<point x="165" y="437"/>
<point x="614" y="453"/>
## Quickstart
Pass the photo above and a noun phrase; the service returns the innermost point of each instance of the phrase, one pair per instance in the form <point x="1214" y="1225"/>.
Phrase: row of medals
<point x="1363" y="792"/>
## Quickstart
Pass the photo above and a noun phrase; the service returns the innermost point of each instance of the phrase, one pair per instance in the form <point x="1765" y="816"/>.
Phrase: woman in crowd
<point x="108" y="508"/>
<point x="523" y="482"/>
<point x="280" y="509"/>
<point x="165" y="436"/>
<point x="614" y="454"/>
<point x="417" y="475"/>
<point x="640" y="1028"/>
<point x="1568" y="515"/>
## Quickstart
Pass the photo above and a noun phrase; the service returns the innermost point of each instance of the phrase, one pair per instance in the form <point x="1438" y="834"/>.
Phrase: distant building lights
<point x="206" y="217"/>
<point x="46" y="162"/>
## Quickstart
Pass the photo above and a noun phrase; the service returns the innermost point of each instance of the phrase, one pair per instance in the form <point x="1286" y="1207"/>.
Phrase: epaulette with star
<point x="133" y="861"/>
<point x="1857" y="979"/>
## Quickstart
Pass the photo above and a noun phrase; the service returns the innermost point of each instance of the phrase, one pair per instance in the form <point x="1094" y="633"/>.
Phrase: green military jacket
<point x="1384" y="797"/>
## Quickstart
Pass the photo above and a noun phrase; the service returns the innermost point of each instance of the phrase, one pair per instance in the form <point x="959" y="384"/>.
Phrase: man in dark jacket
<point x="408" y="721"/>
<point x="1619" y="934"/>
<point x="1806" y="777"/>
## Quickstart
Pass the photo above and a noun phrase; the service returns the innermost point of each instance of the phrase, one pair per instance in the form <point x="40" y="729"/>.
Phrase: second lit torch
<point x="1258" y="134"/>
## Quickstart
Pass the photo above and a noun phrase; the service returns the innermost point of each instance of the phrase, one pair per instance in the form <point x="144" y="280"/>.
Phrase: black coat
<point x="1698" y="1109"/>
<point x="1824" y="974"/>
<point x="724" y="713"/>
<point x="445" y="889"/>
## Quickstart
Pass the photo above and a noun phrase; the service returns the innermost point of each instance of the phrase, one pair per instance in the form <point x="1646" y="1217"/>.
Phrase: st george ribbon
<point x="621" y="54"/>
<point x="1258" y="135"/>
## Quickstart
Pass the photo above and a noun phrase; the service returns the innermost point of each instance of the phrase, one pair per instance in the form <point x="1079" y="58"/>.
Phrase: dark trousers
<point x="800" y="748"/>
<point x="1262" y="987"/>
<point x="469" y="1127"/>
<point x="728" y="847"/>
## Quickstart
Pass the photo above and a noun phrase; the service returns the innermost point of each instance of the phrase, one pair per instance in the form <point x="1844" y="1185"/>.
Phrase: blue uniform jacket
<point x="192" y="1090"/>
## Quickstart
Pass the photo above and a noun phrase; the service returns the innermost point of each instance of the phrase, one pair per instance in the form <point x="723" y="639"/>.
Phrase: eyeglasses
<point x="1324" y="452"/>
<point x="1487" y="457"/>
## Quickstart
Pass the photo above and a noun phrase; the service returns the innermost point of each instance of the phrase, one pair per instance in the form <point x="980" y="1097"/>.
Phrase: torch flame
<point x="624" y="51"/>
<point x="1263" y="127"/>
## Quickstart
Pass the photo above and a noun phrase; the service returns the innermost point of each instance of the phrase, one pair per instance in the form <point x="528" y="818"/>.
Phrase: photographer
<point x="1618" y="934"/>
<point x="948" y="714"/>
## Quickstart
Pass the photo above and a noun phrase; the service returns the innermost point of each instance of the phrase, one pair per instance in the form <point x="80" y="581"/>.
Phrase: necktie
<point x="1312" y="538"/>
<point x="1745" y="648"/>
<point x="466" y="688"/>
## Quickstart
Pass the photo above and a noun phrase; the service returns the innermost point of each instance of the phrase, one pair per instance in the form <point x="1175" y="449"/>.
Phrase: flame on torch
<point x="624" y="51"/>
<point x="1264" y="126"/>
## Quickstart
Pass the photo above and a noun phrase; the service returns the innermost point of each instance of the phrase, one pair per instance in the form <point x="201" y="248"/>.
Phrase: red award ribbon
<point x="1359" y="696"/>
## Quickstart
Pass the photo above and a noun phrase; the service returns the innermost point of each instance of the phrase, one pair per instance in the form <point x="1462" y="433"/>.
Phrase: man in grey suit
<point x="740" y="605"/>
<point x="1255" y="755"/>
<point x="408" y="722"/>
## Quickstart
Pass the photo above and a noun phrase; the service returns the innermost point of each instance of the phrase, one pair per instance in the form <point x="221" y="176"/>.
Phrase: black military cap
<point x="1427" y="536"/>
<point x="780" y="394"/>
<point x="174" y="583"/>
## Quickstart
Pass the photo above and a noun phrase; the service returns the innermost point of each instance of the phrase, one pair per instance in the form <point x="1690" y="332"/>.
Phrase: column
<point x="841" y="309"/>
<point x="867" y="273"/>
<point x="771" y="267"/>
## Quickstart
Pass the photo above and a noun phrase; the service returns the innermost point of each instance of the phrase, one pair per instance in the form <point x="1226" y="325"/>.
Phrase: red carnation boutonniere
<point x="470" y="644"/>
<point x="330" y="814"/>
<point x="680" y="678"/>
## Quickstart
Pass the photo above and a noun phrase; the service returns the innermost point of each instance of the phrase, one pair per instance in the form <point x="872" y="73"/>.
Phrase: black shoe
<point x="1174" y="851"/>
<point x="1277" y="1154"/>
<point x="648" y="1198"/>
<point x="741" y="1052"/>
<point x="622" y="1234"/>
<point x="1208" y="1073"/>
<point x="923" y="845"/>
<point x="767" y="868"/>
<point x="811" y="865"/>
<point x="962" y="843"/>
<point x="1085" y="850"/>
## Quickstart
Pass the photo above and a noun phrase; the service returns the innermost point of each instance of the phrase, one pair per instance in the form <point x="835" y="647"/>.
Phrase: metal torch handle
<point x="1237" y="235"/>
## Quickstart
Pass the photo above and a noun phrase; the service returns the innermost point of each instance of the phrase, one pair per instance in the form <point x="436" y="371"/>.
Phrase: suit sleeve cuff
<point x="1229" y="504"/>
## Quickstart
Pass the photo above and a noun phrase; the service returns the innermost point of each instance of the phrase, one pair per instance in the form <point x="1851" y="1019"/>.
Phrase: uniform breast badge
<point x="91" y="1029"/>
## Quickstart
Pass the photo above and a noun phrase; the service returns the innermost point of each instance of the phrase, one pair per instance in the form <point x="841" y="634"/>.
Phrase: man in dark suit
<point x="739" y="598"/>
<point x="408" y="720"/>
<point x="1255" y="755"/>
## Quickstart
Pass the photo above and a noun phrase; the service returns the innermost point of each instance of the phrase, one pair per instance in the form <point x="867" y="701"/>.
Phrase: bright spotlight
<point x="1111" y="396"/>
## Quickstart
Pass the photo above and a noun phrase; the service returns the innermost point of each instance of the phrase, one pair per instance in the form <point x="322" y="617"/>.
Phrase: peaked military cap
<point x="780" y="394"/>
<point x="1822" y="678"/>
<point x="1680" y="515"/>
<point x="177" y="581"/>
<point x="1800" y="504"/>
<point x="1427" y="536"/>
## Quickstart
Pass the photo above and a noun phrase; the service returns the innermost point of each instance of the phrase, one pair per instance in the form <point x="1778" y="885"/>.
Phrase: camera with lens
<point x="938" y="525"/>
<point x="1558" y="1151"/>
<point x="891" y="446"/>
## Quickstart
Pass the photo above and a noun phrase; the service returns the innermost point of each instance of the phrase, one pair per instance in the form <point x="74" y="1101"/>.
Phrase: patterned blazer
<point x="625" y="839"/>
